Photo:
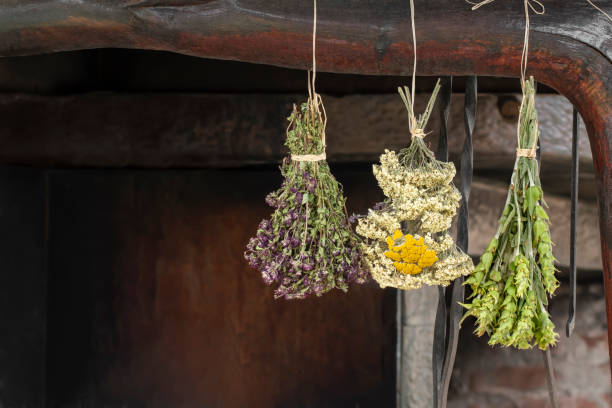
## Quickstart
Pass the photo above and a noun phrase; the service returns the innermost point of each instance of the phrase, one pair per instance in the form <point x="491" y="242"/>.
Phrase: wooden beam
<point x="121" y="70"/>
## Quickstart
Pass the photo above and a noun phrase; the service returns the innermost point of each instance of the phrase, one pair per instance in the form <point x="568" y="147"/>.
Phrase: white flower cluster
<point x="397" y="180"/>
<point x="421" y="201"/>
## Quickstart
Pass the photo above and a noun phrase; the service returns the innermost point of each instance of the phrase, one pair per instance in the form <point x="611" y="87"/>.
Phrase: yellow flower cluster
<point x="452" y="264"/>
<point x="410" y="255"/>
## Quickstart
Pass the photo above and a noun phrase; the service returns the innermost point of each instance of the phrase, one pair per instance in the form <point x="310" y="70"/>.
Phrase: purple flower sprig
<point x="307" y="245"/>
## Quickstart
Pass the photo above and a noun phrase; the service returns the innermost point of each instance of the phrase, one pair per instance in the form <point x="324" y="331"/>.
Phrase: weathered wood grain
<point x="121" y="70"/>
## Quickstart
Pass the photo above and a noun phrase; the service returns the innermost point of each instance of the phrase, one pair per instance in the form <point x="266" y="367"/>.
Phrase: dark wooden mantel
<point x="571" y="46"/>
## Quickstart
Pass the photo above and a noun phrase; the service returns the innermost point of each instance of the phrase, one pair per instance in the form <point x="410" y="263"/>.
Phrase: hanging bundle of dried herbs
<point x="307" y="245"/>
<point x="407" y="241"/>
<point x="516" y="273"/>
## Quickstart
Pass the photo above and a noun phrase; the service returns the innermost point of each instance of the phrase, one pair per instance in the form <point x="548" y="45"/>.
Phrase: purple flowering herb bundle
<point x="307" y="245"/>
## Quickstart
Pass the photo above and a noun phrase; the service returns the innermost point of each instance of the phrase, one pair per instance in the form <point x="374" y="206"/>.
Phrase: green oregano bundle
<point x="516" y="273"/>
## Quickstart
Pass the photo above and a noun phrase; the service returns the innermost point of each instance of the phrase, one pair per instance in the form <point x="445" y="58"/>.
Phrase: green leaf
<point x="540" y="230"/>
<point x="485" y="260"/>
<point x="541" y="212"/>
<point x="495" y="275"/>
<point x="507" y="210"/>
<point x="492" y="245"/>
<point x="532" y="196"/>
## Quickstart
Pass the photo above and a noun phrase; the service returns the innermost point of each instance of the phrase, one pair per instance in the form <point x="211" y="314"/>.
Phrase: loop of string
<point x="535" y="5"/>
<point x="600" y="10"/>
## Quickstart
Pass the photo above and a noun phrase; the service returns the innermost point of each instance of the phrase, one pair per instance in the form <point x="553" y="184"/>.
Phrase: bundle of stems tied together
<point x="406" y="238"/>
<point x="516" y="274"/>
<point x="307" y="245"/>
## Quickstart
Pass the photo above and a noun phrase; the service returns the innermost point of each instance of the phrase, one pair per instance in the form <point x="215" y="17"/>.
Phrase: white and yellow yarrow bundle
<point x="407" y="242"/>
<point x="426" y="205"/>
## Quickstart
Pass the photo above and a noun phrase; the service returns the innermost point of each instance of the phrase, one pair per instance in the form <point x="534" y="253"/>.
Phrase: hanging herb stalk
<point x="307" y="245"/>
<point x="516" y="273"/>
<point x="407" y="241"/>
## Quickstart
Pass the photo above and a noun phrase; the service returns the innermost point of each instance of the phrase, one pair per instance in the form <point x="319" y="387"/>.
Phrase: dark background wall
<point x="150" y="301"/>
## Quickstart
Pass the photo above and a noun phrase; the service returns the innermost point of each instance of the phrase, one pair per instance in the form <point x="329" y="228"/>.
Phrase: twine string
<point x="530" y="152"/>
<point x="315" y="103"/>
<point x="538" y="8"/>
<point x="600" y="10"/>
<point x="314" y="46"/>
<point x="414" y="130"/>
<point x="416" y="126"/>
<point x="535" y="5"/>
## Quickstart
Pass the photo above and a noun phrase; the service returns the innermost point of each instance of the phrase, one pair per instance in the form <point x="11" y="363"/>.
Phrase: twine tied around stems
<point x="529" y="153"/>
<point x="315" y="103"/>
<point x="316" y="111"/>
<point x="308" y="157"/>
<point x="418" y="133"/>
<point x="527" y="110"/>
